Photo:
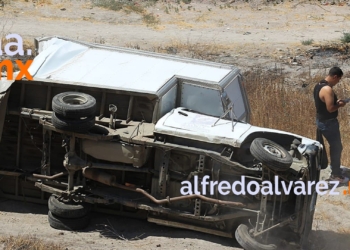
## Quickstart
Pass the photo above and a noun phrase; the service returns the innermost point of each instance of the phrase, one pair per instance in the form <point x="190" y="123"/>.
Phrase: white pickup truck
<point x="127" y="130"/>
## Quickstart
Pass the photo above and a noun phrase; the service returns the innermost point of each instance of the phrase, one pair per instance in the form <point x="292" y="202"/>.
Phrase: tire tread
<point x="275" y="163"/>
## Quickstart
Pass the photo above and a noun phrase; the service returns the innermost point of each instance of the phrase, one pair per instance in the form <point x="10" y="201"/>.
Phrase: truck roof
<point x="73" y="62"/>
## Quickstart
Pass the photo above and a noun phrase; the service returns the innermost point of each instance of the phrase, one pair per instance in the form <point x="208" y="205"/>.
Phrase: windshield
<point x="201" y="99"/>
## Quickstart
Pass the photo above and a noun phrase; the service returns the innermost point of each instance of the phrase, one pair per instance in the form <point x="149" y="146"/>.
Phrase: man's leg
<point x="331" y="132"/>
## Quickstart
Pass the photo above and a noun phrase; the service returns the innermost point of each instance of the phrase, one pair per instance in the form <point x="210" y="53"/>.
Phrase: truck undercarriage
<point x="148" y="156"/>
<point x="133" y="169"/>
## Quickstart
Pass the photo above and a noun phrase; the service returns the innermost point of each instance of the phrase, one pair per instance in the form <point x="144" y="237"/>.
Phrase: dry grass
<point x="195" y="50"/>
<point x="150" y="19"/>
<point x="278" y="105"/>
<point x="182" y="24"/>
<point x="274" y="104"/>
<point x="44" y="1"/>
<point x="27" y="242"/>
<point x="344" y="230"/>
<point x="127" y="6"/>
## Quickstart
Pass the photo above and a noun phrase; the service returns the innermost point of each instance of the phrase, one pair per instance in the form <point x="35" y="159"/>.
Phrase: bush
<point x="128" y="6"/>
<point x="150" y="19"/>
<point x="345" y="38"/>
<point x="307" y="42"/>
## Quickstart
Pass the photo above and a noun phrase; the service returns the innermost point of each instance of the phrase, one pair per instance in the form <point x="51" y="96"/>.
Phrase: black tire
<point x="68" y="210"/>
<point x="68" y="224"/>
<point x="248" y="242"/>
<point x="271" y="154"/>
<point x="81" y="125"/>
<point x="74" y="105"/>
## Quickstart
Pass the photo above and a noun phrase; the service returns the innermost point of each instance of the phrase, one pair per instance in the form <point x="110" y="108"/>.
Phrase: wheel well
<point x="243" y="153"/>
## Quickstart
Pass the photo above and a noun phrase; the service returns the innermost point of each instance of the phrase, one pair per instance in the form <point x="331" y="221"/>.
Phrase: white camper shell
<point x="176" y="82"/>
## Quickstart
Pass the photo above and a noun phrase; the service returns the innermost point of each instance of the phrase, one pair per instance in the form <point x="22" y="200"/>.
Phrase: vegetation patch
<point x="150" y="19"/>
<point x="345" y="38"/>
<point x="307" y="42"/>
<point x="127" y="6"/>
<point x="201" y="51"/>
<point x="27" y="242"/>
<point x="275" y="104"/>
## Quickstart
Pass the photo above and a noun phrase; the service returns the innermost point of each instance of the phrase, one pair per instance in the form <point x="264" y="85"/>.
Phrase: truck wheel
<point x="248" y="242"/>
<point x="68" y="209"/>
<point x="271" y="154"/>
<point x="68" y="224"/>
<point x="74" y="104"/>
<point x="80" y="125"/>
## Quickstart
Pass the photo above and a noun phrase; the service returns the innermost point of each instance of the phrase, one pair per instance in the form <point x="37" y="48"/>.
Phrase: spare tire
<point x="74" y="105"/>
<point x="80" y="125"/>
<point x="68" y="224"/>
<point x="271" y="154"/>
<point x="68" y="209"/>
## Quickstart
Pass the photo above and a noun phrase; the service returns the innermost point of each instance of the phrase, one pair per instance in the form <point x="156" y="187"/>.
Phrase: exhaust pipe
<point x="110" y="180"/>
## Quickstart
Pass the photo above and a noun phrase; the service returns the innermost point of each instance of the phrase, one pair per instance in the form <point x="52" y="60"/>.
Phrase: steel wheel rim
<point x="74" y="100"/>
<point x="273" y="151"/>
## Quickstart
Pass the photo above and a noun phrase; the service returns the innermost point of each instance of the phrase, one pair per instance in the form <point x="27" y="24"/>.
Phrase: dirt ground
<point x="104" y="232"/>
<point x="246" y="35"/>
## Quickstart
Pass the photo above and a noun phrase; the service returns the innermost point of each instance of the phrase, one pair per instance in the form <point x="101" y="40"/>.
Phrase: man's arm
<point x="327" y="96"/>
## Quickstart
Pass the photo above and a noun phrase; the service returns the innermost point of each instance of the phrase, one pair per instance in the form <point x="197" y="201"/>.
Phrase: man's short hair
<point x="335" y="71"/>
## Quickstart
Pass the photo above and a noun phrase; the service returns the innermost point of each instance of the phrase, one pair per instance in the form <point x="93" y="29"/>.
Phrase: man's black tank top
<point x="321" y="109"/>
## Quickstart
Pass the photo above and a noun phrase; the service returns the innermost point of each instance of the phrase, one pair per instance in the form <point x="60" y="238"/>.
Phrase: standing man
<point x="327" y="105"/>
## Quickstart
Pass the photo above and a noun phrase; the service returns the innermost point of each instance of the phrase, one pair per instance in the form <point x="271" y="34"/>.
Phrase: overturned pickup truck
<point x="163" y="137"/>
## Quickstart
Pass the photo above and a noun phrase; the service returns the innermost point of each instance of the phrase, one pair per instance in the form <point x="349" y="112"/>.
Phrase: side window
<point x="234" y="92"/>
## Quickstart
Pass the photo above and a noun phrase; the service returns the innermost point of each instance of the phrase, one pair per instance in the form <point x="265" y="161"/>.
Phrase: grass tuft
<point x="345" y="38"/>
<point x="27" y="242"/>
<point x="307" y="42"/>
<point x="150" y="19"/>
<point x="127" y="6"/>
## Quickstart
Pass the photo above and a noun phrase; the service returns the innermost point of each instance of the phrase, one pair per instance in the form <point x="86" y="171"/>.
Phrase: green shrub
<point x="108" y="4"/>
<point x="345" y="38"/>
<point x="150" y="19"/>
<point x="307" y="42"/>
